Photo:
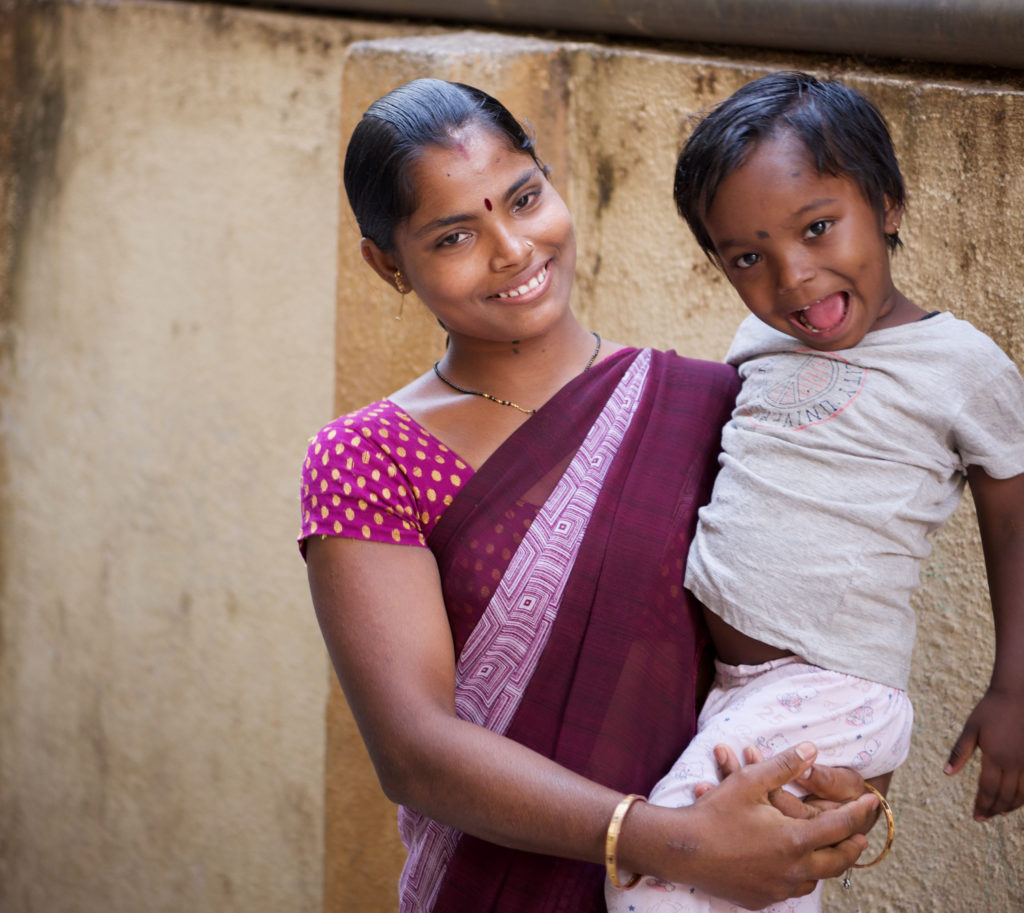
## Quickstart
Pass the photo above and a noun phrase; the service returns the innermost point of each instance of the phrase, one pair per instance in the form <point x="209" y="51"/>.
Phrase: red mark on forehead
<point x="460" y="147"/>
<point x="487" y="203"/>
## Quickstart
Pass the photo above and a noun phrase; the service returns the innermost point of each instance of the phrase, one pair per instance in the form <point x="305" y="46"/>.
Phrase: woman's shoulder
<point x="378" y="413"/>
<point x="380" y="437"/>
<point x="375" y="474"/>
<point x="686" y="375"/>
<point x="343" y="448"/>
<point x="373" y="423"/>
<point x="715" y="374"/>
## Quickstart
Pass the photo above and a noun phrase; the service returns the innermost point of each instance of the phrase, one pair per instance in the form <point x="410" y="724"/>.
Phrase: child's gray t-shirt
<point x="835" y="470"/>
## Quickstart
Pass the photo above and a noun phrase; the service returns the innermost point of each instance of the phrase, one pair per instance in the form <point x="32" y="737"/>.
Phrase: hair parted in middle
<point x="393" y="132"/>
<point x="844" y="134"/>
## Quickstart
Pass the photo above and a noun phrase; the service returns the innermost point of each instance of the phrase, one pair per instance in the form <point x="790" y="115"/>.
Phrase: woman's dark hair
<point x="843" y="132"/>
<point x="393" y="133"/>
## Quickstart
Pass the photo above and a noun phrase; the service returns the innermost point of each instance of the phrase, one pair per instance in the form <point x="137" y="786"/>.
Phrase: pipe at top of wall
<point x="975" y="32"/>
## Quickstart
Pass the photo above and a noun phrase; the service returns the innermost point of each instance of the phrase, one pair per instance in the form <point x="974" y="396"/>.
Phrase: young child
<point x="860" y="417"/>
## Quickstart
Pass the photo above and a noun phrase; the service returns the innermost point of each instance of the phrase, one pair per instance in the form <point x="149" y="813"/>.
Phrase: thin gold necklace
<point x="508" y="402"/>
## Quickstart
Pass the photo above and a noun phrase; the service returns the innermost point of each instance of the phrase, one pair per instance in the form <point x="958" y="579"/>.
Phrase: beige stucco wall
<point x="167" y="303"/>
<point x="167" y="333"/>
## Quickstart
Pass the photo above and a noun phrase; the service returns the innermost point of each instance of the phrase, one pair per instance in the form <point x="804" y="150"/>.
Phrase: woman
<point x="495" y="554"/>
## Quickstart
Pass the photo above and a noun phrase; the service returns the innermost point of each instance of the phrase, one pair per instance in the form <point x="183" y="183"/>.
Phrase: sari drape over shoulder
<point x="562" y="564"/>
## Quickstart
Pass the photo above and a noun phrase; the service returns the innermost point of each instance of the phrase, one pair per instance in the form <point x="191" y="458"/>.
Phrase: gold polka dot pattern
<point x="481" y="564"/>
<point x="376" y="474"/>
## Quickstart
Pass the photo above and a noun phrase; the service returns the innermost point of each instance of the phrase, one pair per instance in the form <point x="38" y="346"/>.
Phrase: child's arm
<point x="996" y="725"/>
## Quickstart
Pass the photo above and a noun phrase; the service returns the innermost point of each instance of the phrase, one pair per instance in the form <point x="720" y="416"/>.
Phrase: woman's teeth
<point x="526" y="286"/>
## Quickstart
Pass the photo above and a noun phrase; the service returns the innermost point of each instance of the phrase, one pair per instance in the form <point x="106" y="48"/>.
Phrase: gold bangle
<point x="611" y="843"/>
<point x="890" y="826"/>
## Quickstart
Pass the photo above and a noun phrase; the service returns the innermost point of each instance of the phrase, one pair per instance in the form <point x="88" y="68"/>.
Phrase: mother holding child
<point x="496" y="556"/>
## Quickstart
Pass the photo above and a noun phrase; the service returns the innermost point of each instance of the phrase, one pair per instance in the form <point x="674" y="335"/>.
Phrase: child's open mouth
<point x="824" y="315"/>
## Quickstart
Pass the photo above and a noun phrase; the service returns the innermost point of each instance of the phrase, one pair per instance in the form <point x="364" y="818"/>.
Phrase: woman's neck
<point x="528" y="370"/>
<point x="527" y="373"/>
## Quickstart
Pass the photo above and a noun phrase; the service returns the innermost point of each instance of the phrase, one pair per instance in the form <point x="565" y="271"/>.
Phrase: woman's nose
<point x="511" y="248"/>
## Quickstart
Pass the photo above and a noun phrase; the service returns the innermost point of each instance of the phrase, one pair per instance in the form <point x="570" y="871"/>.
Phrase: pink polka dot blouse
<point x="375" y="474"/>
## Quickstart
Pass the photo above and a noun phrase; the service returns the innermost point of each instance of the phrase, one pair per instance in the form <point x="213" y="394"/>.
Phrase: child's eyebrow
<point x="726" y="243"/>
<point x="814" y="204"/>
<point x="763" y="235"/>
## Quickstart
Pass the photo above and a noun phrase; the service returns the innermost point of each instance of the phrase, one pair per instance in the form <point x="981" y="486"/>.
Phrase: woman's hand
<point x="737" y="844"/>
<point x="826" y="787"/>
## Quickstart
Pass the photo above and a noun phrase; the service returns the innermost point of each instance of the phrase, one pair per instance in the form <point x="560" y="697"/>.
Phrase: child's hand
<point x="996" y="726"/>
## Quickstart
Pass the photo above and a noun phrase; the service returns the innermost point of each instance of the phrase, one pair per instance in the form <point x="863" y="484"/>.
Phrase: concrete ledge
<point x="979" y="32"/>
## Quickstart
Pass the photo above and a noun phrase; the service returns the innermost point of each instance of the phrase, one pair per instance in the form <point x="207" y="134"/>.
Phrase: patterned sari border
<point x="502" y="653"/>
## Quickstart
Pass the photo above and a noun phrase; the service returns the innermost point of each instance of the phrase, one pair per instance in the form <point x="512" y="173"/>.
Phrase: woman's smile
<point x="536" y="282"/>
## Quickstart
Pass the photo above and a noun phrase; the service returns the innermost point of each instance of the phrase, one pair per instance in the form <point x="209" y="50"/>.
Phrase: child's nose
<point x="794" y="270"/>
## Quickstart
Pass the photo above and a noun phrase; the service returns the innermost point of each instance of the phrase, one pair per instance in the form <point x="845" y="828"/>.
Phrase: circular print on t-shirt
<point x="800" y="388"/>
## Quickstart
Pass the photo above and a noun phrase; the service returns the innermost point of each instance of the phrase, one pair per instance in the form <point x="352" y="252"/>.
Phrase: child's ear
<point x="382" y="263"/>
<point x="892" y="216"/>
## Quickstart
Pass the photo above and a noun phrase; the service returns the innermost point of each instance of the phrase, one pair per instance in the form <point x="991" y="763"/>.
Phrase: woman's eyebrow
<point x="442" y="222"/>
<point x="524" y="178"/>
<point x="445" y="221"/>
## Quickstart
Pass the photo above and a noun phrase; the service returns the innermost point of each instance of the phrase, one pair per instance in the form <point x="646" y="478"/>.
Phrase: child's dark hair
<point x="843" y="132"/>
<point x="393" y="133"/>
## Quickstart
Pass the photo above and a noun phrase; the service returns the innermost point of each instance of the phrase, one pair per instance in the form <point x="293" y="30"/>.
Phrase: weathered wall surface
<point x="167" y="337"/>
<point x="172" y="249"/>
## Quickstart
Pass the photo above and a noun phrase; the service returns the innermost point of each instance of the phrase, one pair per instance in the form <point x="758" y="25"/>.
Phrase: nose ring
<point x="529" y="244"/>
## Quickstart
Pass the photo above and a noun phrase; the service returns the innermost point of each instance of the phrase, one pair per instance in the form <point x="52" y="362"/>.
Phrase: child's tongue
<point x="825" y="314"/>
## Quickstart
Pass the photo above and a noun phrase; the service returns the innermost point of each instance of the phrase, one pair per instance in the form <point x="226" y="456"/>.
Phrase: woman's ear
<point x="384" y="265"/>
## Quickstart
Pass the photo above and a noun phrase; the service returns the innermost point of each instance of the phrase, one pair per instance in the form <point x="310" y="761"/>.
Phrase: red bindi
<point x="487" y="203"/>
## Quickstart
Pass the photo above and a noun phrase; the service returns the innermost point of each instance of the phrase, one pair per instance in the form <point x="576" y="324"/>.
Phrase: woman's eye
<point x="817" y="229"/>
<point x="745" y="261"/>
<point x="452" y="239"/>
<point x="525" y="200"/>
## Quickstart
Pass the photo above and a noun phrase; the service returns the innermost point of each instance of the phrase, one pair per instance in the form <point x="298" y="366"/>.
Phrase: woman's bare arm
<point x="384" y="623"/>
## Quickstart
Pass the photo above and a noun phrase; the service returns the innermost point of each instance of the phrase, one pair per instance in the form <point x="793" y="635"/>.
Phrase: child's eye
<point x="745" y="261"/>
<point x="817" y="229"/>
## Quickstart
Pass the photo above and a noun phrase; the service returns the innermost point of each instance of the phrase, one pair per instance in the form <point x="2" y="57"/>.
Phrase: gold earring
<point x="400" y="285"/>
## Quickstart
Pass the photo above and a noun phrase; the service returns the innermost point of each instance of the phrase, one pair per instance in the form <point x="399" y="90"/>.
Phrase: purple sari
<point x="562" y="563"/>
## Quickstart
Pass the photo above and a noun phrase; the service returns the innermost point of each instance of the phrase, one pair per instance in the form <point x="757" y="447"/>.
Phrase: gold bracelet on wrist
<point x="890" y="824"/>
<point x="611" y="843"/>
